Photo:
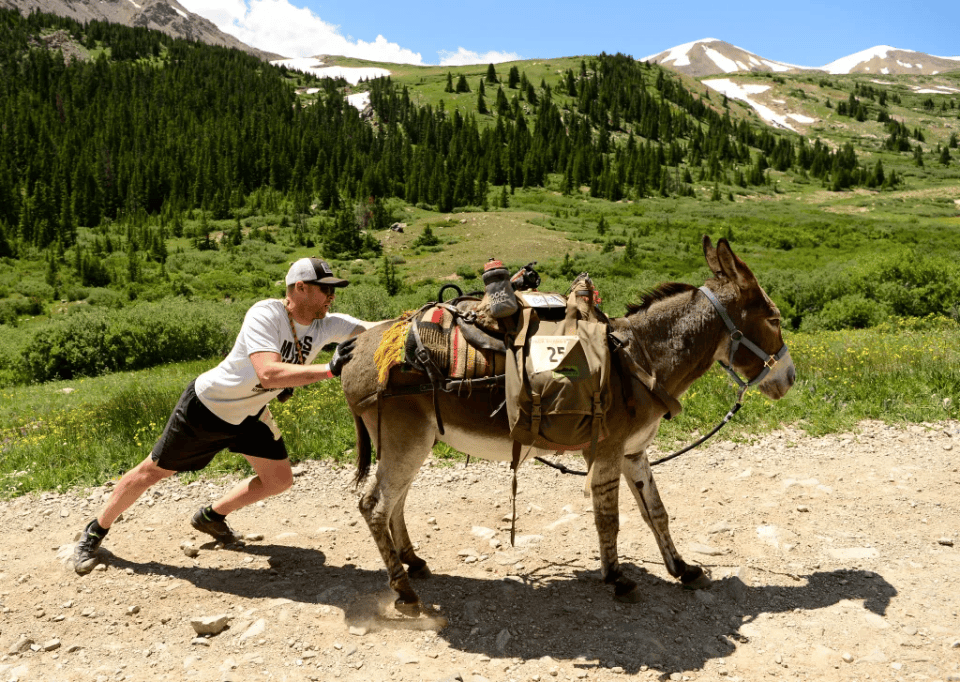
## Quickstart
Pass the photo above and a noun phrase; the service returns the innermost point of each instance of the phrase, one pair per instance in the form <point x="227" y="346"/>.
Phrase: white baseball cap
<point x="313" y="271"/>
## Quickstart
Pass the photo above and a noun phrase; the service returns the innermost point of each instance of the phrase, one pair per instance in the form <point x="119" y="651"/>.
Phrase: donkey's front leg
<point x="376" y="505"/>
<point x="605" y="493"/>
<point x="636" y="469"/>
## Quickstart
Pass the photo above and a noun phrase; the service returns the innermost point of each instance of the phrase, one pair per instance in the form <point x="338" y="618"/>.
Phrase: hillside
<point x="197" y="172"/>
<point x="168" y="16"/>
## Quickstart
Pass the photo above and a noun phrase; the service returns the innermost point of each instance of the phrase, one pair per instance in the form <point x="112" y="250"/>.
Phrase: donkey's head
<point x="756" y="349"/>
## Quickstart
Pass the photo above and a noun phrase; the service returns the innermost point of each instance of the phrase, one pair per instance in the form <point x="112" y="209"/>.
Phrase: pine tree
<point x="481" y="103"/>
<point x="449" y="86"/>
<point x="513" y="79"/>
<point x="388" y="277"/>
<point x="462" y="85"/>
<point x="492" y="75"/>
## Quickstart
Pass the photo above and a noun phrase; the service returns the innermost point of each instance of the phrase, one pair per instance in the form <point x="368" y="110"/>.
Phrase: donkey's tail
<point x="364" y="451"/>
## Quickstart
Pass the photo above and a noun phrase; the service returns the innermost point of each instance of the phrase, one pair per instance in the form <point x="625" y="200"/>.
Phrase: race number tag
<point x="548" y="352"/>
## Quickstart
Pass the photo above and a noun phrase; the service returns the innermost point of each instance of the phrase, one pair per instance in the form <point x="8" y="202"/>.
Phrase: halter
<point x="737" y="338"/>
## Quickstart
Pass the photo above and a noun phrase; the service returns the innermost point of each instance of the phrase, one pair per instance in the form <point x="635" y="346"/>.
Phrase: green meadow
<point x="113" y="295"/>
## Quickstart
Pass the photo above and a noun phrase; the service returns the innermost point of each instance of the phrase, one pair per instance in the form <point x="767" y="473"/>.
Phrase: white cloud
<point x="463" y="57"/>
<point x="280" y="27"/>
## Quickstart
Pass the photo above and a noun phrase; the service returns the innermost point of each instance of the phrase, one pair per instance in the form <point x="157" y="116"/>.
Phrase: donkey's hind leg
<point x="416" y="567"/>
<point x="636" y="469"/>
<point x="402" y="457"/>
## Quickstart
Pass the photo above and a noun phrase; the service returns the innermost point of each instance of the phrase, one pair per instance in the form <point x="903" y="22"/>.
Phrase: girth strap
<point x="433" y="372"/>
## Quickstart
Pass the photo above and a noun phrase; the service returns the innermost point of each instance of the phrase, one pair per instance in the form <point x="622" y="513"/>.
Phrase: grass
<point x="56" y="440"/>
<point x="53" y="440"/>
<point x="790" y="232"/>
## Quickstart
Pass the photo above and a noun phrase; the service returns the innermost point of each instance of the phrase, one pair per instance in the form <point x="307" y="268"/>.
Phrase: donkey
<point x="675" y="333"/>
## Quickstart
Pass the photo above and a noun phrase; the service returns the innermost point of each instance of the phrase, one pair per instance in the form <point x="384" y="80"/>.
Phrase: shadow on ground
<point x="559" y="611"/>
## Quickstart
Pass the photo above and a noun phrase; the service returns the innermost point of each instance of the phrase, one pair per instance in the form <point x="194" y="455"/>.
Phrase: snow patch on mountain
<point x="349" y="73"/>
<point x="680" y="55"/>
<point x="935" y="90"/>
<point x="746" y="93"/>
<point x="848" y="63"/>
<point x="360" y="100"/>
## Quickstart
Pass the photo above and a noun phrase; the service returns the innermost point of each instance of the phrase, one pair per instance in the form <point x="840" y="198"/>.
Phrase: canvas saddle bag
<point x="558" y="375"/>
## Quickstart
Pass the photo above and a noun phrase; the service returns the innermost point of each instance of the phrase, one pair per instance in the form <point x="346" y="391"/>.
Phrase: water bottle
<point x="496" y="281"/>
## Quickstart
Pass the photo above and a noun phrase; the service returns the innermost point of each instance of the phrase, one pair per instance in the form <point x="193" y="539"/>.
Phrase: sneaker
<point x="219" y="530"/>
<point x="85" y="555"/>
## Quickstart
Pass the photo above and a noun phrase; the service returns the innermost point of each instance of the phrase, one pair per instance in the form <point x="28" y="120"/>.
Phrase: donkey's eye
<point x="775" y="321"/>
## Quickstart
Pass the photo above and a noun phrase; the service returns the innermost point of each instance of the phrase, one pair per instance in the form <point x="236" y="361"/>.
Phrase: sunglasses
<point x="325" y="289"/>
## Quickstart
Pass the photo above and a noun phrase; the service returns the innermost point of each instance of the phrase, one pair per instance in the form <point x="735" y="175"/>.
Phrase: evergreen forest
<point x="143" y="173"/>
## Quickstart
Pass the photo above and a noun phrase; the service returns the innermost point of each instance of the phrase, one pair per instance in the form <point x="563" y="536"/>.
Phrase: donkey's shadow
<point x="558" y="611"/>
<point x="670" y="630"/>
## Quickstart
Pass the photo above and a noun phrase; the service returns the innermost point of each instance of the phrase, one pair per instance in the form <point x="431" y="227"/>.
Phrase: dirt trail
<point x="834" y="558"/>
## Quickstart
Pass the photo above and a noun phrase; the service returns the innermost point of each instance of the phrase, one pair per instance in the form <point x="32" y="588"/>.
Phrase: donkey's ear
<point x="710" y="254"/>
<point x="732" y="267"/>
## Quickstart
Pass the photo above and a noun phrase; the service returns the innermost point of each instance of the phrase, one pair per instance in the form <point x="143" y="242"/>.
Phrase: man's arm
<point x="274" y="373"/>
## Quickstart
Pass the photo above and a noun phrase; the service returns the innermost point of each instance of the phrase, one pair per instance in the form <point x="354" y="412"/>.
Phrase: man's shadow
<point x="543" y="613"/>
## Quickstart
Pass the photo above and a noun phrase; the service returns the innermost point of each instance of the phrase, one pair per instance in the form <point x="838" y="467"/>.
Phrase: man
<point x="227" y="406"/>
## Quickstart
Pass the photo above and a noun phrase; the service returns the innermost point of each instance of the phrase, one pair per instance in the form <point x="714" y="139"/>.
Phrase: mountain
<point x="887" y="60"/>
<point x="168" y="16"/>
<point x="711" y="57"/>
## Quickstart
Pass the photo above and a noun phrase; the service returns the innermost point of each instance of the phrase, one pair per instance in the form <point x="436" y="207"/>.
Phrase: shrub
<point x="31" y="288"/>
<point x="97" y="341"/>
<point x="467" y="272"/>
<point x="853" y="311"/>
<point x="13" y="307"/>
<point x="104" y="298"/>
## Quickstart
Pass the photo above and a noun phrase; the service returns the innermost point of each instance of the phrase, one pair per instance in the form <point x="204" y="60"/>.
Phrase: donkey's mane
<point x="663" y="291"/>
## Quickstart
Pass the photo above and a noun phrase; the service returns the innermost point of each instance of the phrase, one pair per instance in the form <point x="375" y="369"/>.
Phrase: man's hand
<point x="341" y="356"/>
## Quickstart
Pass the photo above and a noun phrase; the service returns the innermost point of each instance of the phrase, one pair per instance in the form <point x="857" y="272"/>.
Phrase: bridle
<point x="736" y="339"/>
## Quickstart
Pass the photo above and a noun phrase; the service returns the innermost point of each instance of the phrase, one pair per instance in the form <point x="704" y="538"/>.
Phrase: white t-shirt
<point x="232" y="391"/>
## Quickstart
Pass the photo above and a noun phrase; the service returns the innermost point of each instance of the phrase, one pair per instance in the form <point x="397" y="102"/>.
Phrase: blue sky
<point x="430" y="33"/>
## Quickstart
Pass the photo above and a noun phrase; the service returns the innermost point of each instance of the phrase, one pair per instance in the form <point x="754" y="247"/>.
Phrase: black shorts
<point x="194" y="435"/>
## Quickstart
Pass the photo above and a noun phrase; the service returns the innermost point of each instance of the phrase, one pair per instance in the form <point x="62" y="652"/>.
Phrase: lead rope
<point x="733" y="410"/>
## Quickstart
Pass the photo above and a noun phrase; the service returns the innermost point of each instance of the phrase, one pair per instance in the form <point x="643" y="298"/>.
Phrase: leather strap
<point x="433" y="372"/>
<point x="645" y="378"/>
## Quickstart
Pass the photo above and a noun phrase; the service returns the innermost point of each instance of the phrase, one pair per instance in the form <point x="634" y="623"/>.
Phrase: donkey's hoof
<point x="408" y="608"/>
<point x="420" y="572"/>
<point x="695" y="578"/>
<point x="631" y="596"/>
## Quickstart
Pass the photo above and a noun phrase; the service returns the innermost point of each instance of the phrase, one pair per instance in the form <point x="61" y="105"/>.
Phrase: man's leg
<point x="128" y="489"/>
<point x="272" y="478"/>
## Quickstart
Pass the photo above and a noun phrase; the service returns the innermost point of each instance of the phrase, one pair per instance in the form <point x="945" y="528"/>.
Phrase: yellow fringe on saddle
<point x="390" y="351"/>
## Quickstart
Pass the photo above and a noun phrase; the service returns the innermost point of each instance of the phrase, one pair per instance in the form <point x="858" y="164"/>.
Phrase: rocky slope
<point x="168" y="16"/>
